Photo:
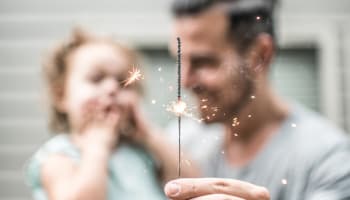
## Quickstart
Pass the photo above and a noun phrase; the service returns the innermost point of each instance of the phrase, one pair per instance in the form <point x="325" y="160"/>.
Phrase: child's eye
<point x="97" y="78"/>
<point x="120" y="79"/>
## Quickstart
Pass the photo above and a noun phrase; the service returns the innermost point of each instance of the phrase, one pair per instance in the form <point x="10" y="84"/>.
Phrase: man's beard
<point x="211" y="112"/>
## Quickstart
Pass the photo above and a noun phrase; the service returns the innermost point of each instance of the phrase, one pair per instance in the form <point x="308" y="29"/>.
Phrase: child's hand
<point x="134" y="125"/>
<point x="99" y="128"/>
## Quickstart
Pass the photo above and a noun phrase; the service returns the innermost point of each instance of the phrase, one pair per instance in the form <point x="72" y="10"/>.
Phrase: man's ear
<point x="260" y="54"/>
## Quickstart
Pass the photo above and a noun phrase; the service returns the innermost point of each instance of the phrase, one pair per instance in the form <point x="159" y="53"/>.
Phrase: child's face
<point x="96" y="71"/>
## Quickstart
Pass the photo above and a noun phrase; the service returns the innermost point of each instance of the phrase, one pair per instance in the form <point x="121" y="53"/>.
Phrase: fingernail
<point x="172" y="189"/>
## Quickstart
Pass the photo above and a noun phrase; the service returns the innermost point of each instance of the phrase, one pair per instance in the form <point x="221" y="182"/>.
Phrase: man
<point x="270" y="149"/>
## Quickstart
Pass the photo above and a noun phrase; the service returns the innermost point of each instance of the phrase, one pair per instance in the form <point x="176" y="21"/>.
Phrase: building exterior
<point x="313" y="66"/>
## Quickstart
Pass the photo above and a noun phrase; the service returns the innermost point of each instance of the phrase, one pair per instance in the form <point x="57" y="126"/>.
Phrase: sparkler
<point x="181" y="106"/>
<point x="135" y="75"/>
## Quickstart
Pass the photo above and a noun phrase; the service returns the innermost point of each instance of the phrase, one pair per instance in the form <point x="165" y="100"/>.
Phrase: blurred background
<point x="312" y="67"/>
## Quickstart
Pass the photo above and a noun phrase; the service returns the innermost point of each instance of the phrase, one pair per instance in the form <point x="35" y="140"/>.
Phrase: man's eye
<point x="204" y="62"/>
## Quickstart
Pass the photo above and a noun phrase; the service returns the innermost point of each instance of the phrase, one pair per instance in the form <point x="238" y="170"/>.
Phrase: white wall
<point x="28" y="27"/>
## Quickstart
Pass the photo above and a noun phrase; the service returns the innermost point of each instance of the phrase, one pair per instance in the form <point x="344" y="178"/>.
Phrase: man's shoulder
<point x="314" y="135"/>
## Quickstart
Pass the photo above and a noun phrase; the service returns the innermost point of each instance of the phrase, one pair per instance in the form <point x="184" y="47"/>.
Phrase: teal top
<point x="131" y="170"/>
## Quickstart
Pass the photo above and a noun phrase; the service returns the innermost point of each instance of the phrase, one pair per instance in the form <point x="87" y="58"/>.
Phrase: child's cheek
<point x="85" y="98"/>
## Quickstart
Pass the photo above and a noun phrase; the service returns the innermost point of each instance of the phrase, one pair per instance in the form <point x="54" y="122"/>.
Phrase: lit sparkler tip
<point x="135" y="75"/>
<point x="179" y="107"/>
<point x="204" y="107"/>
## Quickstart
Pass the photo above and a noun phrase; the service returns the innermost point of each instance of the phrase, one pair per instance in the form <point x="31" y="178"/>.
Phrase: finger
<point x="113" y="119"/>
<point x="121" y="100"/>
<point x="100" y="116"/>
<point x="123" y="108"/>
<point x="191" y="188"/>
<point x="217" y="197"/>
<point x="94" y="108"/>
<point x="127" y="99"/>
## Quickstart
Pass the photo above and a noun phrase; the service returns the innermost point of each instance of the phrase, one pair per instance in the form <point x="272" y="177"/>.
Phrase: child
<point x="106" y="149"/>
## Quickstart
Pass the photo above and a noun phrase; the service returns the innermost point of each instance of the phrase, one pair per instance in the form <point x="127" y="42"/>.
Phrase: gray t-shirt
<point x="308" y="159"/>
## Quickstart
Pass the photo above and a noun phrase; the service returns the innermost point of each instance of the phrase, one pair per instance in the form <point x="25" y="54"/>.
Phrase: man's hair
<point x="247" y="18"/>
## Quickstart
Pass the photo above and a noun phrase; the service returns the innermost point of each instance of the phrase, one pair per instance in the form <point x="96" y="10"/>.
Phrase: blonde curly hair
<point x="55" y="68"/>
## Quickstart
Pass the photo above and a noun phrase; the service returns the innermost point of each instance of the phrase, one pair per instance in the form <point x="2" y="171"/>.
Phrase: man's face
<point x="212" y="69"/>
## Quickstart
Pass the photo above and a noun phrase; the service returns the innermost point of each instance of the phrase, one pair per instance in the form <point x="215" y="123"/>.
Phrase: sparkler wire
<point x="179" y="100"/>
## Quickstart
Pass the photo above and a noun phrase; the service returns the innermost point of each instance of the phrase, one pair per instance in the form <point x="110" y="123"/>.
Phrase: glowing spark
<point x="215" y="109"/>
<point x="258" y="17"/>
<point x="252" y="97"/>
<point x="294" y="125"/>
<point x="235" y="122"/>
<point x="204" y="107"/>
<point x="179" y="107"/>
<point x="183" y="109"/>
<point x="236" y="135"/>
<point x="222" y="152"/>
<point x="159" y="69"/>
<point x="135" y="75"/>
<point x="204" y="100"/>
<point x="154" y="101"/>
<point x="249" y="116"/>
<point x="284" y="181"/>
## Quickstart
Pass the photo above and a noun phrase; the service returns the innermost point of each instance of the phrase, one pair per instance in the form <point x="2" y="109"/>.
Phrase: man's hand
<point x="214" y="189"/>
